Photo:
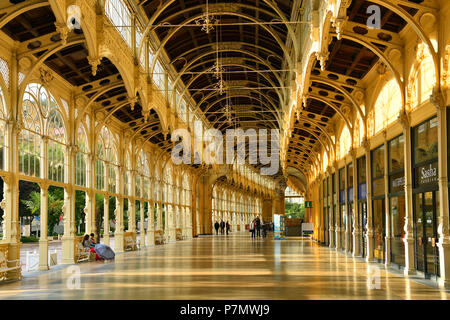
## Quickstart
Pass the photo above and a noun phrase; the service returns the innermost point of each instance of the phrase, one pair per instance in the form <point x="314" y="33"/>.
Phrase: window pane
<point x="426" y="141"/>
<point x="378" y="162"/>
<point x="396" y="154"/>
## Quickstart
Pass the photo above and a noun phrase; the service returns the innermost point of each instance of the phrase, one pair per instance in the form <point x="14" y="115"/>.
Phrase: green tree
<point x="54" y="207"/>
<point x="294" y="210"/>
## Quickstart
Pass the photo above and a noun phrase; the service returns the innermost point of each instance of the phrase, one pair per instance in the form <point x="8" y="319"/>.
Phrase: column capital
<point x="366" y="144"/>
<point x="352" y="153"/>
<point x="44" y="185"/>
<point x="404" y="119"/>
<point x="437" y="99"/>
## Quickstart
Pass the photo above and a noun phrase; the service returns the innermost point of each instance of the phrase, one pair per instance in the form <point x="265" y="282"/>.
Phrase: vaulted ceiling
<point x="348" y="63"/>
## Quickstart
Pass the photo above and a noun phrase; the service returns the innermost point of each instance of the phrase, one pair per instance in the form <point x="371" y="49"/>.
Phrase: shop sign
<point x="427" y="174"/>
<point x="397" y="182"/>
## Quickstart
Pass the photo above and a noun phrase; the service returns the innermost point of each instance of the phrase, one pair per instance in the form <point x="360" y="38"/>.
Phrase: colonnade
<point x="235" y="207"/>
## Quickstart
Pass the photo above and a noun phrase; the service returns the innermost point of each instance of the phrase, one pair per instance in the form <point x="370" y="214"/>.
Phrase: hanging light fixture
<point x="207" y="21"/>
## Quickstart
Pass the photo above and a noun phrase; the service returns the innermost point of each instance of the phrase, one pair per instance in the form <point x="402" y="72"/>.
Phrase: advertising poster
<point x="276" y="226"/>
<point x="279" y="227"/>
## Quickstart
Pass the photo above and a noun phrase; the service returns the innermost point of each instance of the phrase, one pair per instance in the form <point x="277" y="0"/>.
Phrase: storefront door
<point x="427" y="254"/>
<point x="379" y="229"/>
<point x="362" y="220"/>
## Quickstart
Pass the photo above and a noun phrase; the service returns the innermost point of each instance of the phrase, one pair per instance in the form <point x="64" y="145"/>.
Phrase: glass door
<point x="379" y="229"/>
<point x="427" y="254"/>
<point x="350" y="226"/>
<point x="362" y="217"/>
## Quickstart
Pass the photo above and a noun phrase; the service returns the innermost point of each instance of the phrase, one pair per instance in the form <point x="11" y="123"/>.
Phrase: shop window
<point x="425" y="141"/>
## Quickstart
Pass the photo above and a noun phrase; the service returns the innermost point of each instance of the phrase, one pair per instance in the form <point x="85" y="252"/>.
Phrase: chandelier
<point x="217" y="69"/>
<point x="207" y="21"/>
<point x="228" y="111"/>
<point x="220" y="86"/>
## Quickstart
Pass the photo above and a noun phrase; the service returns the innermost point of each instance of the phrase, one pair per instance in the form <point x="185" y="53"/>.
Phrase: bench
<point x="179" y="234"/>
<point x="8" y="265"/>
<point x="159" y="238"/>
<point x="130" y="241"/>
<point x="81" y="253"/>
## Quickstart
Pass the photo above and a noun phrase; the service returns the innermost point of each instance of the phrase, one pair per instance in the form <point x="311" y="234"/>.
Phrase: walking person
<point x="222" y="227"/>
<point x="252" y="228"/>
<point x="264" y="230"/>
<point x="258" y="227"/>
<point x="216" y="226"/>
<point x="227" y="227"/>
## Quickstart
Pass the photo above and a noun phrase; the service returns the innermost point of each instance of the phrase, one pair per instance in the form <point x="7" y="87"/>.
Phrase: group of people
<point x="223" y="226"/>
<point x="102" y="251"/>
<point x="89" y="244"/>
<point x="255" y="228"/>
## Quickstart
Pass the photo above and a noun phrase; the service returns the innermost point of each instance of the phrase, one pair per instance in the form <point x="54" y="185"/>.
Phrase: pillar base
<point x="150" y="238"/>
<point x="43" y="255"/>
<point x="172" y="235"/>
<point x="14" y="254"/>
<point x="68" y="250"/>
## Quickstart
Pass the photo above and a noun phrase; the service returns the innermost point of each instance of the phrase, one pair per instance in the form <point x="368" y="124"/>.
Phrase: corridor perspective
<point x="226" y="268"/>
<point x="131" y="131"/>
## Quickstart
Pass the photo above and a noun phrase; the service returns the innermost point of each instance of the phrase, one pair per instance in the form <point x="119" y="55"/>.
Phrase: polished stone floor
<point x="220" y="267"/>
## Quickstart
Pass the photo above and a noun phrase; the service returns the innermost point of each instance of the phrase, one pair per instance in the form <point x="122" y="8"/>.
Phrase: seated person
<point x="92" y="239"/>
<point x="89" y="245"/>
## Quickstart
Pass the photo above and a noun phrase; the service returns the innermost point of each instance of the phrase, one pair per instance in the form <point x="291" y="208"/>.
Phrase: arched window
<point x="106" y="164"/>
<point x="168" y="183"/>
<point x="56" y="146"/>
<point x="325" y="161"/>
<point x="2" y="131"/>
<point x="113" y="167"/>
<point x="387" y="107"/>
<point x="143" y="175"/>
<point x="100" y="165"/>
<point x="81" y="168"/>
<point x="345" y="142"/>
<point x="358" y="131"/>
<point x="157" y="184"/>
<point x="35" y="101"/>
<point x="424" y="80"/>
<point x="127" y="174"/>
<point x="188" y="190"/>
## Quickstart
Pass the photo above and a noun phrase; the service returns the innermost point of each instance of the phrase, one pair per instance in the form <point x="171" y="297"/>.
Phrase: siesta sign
<point x="427" y="174"/>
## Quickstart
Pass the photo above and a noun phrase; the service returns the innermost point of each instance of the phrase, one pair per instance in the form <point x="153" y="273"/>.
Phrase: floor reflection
<point x="220" y="267"/>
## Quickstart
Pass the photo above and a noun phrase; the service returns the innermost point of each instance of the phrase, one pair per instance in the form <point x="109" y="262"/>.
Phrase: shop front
<point x="342" y="208"/>
<point x="397" y="204"/>
<point x="325" y="211"/>
<point x="378" y="204"/>
<point x="350" y="206"/>
<point x="426" y="197"/>
<point x="362" y="205"/>
<point x="333" y="208"/>
<point x="329" y="211"/>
